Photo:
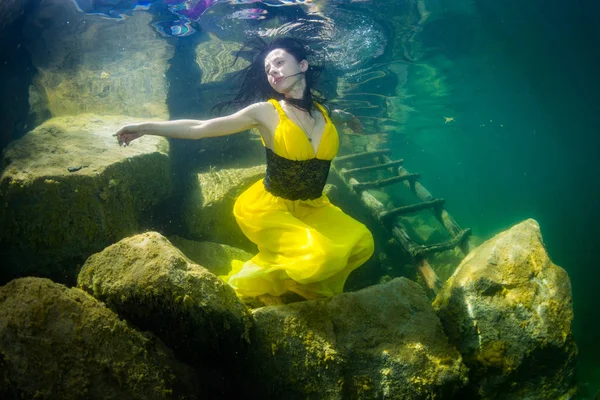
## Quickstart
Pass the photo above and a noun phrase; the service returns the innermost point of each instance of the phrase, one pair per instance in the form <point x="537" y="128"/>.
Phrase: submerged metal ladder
<point x="389" y="217"/>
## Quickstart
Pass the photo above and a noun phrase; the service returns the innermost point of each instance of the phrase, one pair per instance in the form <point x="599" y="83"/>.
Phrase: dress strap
<point x="283" y="114"/>
<point x="278" y="108"/>
<point x="324" y="111"/>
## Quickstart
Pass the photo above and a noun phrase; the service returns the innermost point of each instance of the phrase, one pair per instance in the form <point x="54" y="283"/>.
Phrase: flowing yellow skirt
<point x="308" y="247"/>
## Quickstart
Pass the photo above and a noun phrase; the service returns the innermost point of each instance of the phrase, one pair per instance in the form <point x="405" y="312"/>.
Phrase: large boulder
<point x="148" y="281"/>
<point x="87" y="63"/>
<point x="61" y="343"/>
<point x="381" y="342"/>
<point x="208" y="205"/>
<point x="67" y="190"/>
<point x="508" y="310"/>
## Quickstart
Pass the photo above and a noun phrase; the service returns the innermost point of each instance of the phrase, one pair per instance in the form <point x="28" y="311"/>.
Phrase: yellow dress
<point x="305" y="246"/>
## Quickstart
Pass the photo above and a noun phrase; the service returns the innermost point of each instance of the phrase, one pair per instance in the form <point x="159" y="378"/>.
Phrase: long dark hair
<point x="252" y="80"/>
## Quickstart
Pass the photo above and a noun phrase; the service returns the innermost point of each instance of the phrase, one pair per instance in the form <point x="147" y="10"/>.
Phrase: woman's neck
<point x="297" y="91"/>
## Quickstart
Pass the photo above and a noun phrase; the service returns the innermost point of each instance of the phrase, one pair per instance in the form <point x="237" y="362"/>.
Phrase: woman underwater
<point x="306" y="244"/>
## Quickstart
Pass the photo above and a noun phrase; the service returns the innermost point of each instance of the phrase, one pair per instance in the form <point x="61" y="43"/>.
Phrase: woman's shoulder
<point x="260" y="109"/>
<point x="265" y="112"/>
<point x="263" y="105"/>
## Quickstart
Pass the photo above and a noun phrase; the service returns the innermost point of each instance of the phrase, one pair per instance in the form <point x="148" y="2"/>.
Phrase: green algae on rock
<point x="508" y="309"/>
<point x="148" y="281"/>
<point x="209" y="203"/>
<point x="381" y="342"/>
<point x="294" y="352"/>
<point x="52" y="218"/>
<point x="61" y="343"/>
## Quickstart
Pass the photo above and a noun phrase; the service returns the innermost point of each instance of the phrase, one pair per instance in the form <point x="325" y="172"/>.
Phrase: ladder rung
<point x="356" y="156"/>
<point x="424" y="250"/>
<point x="385" y="182"/>
<point x="386" y="215"/>
<point x="372" y="167"/>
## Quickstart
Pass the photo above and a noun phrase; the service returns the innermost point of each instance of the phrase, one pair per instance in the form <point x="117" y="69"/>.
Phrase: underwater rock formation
<point x="215" y="257"/>
<point x="87" y="63"/>
<point x="208" y="204"/>
<point x="148" y="281"/>
<point x="68" y="190"/>
<point x="381" y="342"/>
<point x="60" y="343"/>
<point x="508" y="310"/>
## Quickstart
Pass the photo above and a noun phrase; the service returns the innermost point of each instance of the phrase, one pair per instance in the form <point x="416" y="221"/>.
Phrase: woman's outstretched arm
<point x="242" y="120"/>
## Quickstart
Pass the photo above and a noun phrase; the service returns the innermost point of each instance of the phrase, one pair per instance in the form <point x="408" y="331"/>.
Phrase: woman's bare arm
<point x="242" y="120"/>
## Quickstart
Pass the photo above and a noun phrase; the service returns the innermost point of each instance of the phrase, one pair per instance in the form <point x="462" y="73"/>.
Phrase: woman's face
<point x="283" y="71"/>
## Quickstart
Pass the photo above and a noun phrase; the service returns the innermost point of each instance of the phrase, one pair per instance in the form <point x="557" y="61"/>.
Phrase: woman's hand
<point x="128" y="133"/>
<point x="355" y="124"/>
<point x="351" y="121"/>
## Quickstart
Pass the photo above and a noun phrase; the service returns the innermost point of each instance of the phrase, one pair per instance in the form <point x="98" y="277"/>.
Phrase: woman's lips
<point x="277" y="80"/>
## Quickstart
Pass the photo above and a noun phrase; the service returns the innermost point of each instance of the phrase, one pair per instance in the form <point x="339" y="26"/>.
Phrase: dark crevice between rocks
<point x="20" y="266"/>
<point x="17" y="71"/>
<point x="218" y="354"/>
<point x="183" y="78"/>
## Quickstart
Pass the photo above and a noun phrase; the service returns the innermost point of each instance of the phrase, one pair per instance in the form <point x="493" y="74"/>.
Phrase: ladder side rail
<point x="440" y="214"/>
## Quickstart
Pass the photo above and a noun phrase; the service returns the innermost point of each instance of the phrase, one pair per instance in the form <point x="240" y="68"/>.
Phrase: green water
<point x="520" y="81"/>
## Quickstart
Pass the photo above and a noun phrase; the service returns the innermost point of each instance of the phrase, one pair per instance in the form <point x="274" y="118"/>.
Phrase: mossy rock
<point x="294" y="352"/>
<point x="208" y="205"/>
<point x="68" y="190"/>
<point x="508" y="309"/>
<point x="61" y="343"/>
<point x="149" y="282"/>
<point x="381" y="342"/>
<point x="215" y="257"/>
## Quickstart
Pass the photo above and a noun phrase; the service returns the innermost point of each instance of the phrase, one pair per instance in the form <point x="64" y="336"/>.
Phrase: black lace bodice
<point x="295" y="180"/>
